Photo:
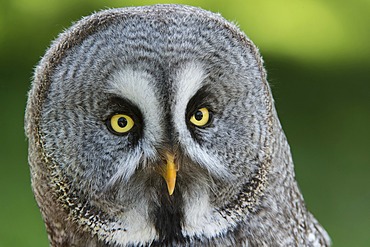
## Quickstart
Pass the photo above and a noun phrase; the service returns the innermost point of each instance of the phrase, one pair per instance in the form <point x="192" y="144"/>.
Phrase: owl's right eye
<point x="120" y="124"/>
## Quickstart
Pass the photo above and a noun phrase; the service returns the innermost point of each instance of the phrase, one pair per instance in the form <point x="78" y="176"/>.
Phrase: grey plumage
<point x="160" y="64"/>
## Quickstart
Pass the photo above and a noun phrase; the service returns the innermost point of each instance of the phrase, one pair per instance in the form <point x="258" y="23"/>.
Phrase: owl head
<point x="154" y="125"/>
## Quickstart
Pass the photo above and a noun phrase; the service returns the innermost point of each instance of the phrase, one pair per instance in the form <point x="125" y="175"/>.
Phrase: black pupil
<point x="198" y="115"/>
<point x="122" y="122"/>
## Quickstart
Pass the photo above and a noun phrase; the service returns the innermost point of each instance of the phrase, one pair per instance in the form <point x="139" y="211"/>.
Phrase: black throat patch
<point x="168" y="217"/>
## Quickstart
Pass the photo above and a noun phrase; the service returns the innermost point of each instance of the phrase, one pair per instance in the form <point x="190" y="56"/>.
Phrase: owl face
<point x="155" y="121"/>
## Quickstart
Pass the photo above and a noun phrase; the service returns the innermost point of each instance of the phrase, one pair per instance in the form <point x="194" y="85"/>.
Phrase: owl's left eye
<point x="201" y="117"/>
<point x="120" y="124"/>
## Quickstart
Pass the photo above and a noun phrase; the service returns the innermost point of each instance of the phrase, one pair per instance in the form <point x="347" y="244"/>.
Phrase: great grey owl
<point x="155" y="126"/>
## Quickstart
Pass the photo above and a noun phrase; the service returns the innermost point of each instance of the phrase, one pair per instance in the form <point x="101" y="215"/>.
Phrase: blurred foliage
<point x="318" y="60"/>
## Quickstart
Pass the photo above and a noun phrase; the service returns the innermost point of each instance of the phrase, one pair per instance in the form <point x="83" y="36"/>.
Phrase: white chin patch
<point x="201" y="219"/>
<point x="137" y="232"/>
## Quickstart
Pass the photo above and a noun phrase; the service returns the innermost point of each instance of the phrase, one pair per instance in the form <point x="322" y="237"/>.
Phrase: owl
<point x="156" y="126"/>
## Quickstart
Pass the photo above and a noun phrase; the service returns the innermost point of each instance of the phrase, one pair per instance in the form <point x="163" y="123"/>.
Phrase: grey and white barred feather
<point x="160" y="64"/>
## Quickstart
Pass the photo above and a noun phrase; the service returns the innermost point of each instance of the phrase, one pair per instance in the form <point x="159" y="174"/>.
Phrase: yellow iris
<point x="200" y="117"/>
<point x="121" y="123"/>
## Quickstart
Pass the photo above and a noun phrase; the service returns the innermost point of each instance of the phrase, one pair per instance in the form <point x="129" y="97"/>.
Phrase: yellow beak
<point x="169" y="173"/>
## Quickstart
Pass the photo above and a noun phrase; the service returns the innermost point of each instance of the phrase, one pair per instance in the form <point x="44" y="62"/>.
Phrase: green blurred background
<point x="318" y="60"/>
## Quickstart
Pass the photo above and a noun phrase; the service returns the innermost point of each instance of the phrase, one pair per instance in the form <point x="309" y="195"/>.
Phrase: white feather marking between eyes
<point x="139" y="88"/>
<point x="190" y="78"/>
